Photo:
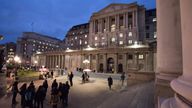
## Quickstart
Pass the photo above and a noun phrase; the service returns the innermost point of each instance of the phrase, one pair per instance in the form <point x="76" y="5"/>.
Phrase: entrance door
<point x="120" y="68"/>
<point x="110" y="65"/>
<point x="101" y="67"/>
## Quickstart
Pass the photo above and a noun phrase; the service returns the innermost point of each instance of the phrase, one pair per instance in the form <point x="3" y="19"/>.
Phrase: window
<point x="130" y="34"/>
<point x="147" y="27"/>
<point x="130" y="57"/>
<point x="130" y="41"/>
<point x="141" y="56"/>
<point x="103" y="43"/>
<point x="85" y="36"/>
<point x="80" y="42"/>
<point x="95" y="38"/>
<point x="147" y="35"/>
<point x="120" y="56"/>
<point x="85" y="42"/>
<point x="101" y="57"/>
<point x="155" y="34"/>
<point x="95" y="44"/>
<point x="76" y="37"/>
<point x="121" y="35"/>
<point x="154" y="19"/>
<point x="113" y="39"/>
<point x="103" y="37"/>
<point x="113" y="27"/>
<point x="120" y="42"/>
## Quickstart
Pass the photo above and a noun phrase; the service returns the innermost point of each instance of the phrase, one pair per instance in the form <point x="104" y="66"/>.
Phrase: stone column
<point x="126" y="25"/>
<point x="116" y="63"/>
<point x="124" y="20"/>
<point x="183" y="85"/>
<point x="105" y="62"/>
<point x="90" y="60"/>
<point x="51" y="61"/>
<point x="117" y="21"/>
<point x="169" y="50"/>
<point x="108" y="24"/>
<point x="97" y="62"/>
<point x="133" y="19"/>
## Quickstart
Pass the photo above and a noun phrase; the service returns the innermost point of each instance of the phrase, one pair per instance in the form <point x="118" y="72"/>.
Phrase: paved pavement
<point x="96" y="94"/>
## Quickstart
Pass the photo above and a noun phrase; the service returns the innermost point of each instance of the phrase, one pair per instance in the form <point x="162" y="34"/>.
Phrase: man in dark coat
<point x="71" y="78"/>
<point x="110" y="82"/>
<point x="22" y="93"/>
<point x="14" y="91"/>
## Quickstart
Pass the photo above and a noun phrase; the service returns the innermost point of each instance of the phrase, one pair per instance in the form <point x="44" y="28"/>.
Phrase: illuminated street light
<point x="17" y="59"/>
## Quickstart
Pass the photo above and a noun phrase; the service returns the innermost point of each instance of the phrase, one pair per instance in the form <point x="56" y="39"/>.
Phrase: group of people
<point x="59" y="92"/>
<point x="85" y="77"/>
<point x="32" y="98"/>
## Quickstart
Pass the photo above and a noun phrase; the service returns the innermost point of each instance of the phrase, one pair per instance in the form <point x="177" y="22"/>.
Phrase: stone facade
<point x="31" y="43"/>
<point x="77" y="37"/>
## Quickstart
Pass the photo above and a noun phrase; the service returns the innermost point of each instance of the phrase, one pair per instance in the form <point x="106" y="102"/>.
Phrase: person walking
<point x="122" y="78"/>
<point x="110" y="82"/>
<point x="45" y="86"/>
<point x="29" y="97"/>
<point x="39" y="96"/>
<point x="52" y="74"/>
<point x="22" y="92"/>
<point x="54" y="85"/>
<point x="71" y="78"/>
<point x="83" y="78"/>
<point x="66" y="88"/>
<point x="54" y="98"/>
<point x="14" y="91"/>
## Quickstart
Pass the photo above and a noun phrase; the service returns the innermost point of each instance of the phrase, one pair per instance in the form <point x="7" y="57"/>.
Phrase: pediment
<point x="115" y="7"/>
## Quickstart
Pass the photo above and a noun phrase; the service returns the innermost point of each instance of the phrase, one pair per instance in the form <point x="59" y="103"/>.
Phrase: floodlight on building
<point x="57" y="66"/>
<point x="86" y="61"/>
<point x="35" y="61"/>
<point x="69" y="50"/>
<point x="137" y="45"/>
<point x="38" y="52"/>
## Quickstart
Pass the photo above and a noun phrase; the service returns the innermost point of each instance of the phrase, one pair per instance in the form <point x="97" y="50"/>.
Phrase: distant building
<point x="112" y="42"/>
<point x="150" y="26"/>
<point x="32" y="42"/>
<point x="10" y="51"/>
<point x="77" y="37"/>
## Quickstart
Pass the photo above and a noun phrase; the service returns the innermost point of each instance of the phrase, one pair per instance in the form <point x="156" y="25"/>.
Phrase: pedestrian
<point x="14" y="91"/>
<point x="52" y="74"/>
<point x="45" y="86"/>
<point x="29" y="96"/>
<point x="122" y="78"/>
<point x="40" y="96"/>
<point x="71" y="78"/>
<point x="83" y="78"/>
<point x="22" y="92"/>
<point x="110" y="82"/>
<point x="65" y="90"/>
<point x="60" y="91"/>
<point x="54" y="98"/>
<point x="54" y="85"/>
<point x="32" y="87"/>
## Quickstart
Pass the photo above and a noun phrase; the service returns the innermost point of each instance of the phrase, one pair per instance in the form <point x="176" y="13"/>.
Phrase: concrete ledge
<point x="139" y="77"/>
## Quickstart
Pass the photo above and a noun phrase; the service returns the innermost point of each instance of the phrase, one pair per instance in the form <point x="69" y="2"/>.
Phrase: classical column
<point x="117" y="21"/>
<point x="169" y="48"/>
<point x="90" y="60"/>
<point x="133" y="18"/>
<point x="116" y="63"/>
<point x="97" y="62"/>
<point x="51" y="61"/>
<point x="108" y="24"/>
<point x="124" y="20"/>
<point x="183" y="85"/>
<point x="105" y="62"/>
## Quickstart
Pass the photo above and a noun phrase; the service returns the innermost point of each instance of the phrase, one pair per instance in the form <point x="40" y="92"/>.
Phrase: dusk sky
<point x="50" y="17"/>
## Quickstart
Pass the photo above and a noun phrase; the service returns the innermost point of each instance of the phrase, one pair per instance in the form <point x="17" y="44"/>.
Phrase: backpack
<point x="28" y="96"/>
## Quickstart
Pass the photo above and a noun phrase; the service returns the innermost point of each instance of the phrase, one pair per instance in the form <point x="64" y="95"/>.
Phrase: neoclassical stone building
<point x="115" y="43"/>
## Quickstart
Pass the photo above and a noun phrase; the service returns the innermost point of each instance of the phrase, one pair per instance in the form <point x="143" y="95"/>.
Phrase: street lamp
<point x="86" y="62"/>
<point x="17" y="59"/>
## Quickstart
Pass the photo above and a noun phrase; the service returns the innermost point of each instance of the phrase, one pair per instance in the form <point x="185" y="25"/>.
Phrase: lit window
<point x="130" y="34"/>
<point x="141" y="56"/>
<point x="113" y="39"/>
<point x="95" y="44"/>
<point x="80" y="42"/>
<point x="103" y="43"/>
<point x="95" y="38"/>
<point x="103" y="37"/>
<point x="76" y="37"/>
<point x="25" y="44"/>
<point x="11" y="49"/>
<point x="33" y="44"/>
<point x="130" y="41"/>
<point x="73" y="33"/>
<point x="121" y="35"/>
<point x="154" y="19"/>
<point x="85" y="36"/>
<point x="113" y="27"/>
<point x="121" y="42"/>
<point x="155" y="34"/>
<point x="72" y="44"/>
<point x="85" y="42"/>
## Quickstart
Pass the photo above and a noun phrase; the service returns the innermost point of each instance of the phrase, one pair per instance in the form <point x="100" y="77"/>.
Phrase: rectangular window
<point x="130" y="56"/>
<point x="141" y="56"/>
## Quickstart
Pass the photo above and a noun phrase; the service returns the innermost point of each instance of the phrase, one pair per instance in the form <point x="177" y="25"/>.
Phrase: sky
<point x="50" y="17"/>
